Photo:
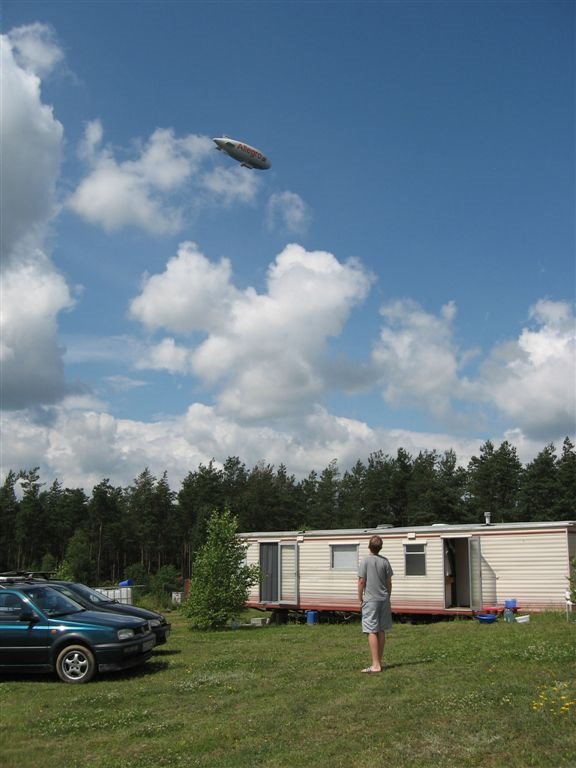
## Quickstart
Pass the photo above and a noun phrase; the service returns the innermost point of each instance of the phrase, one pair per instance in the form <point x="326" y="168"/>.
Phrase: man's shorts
<point x="376" y="616"/>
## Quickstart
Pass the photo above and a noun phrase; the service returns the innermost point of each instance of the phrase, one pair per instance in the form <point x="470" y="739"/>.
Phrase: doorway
<point x="279" y="573"/>
<point x="462" y="573"/>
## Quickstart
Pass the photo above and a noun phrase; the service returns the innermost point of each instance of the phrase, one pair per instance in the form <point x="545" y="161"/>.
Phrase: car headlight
<point x="125" y="634"/>
<point x="155" y="622"/>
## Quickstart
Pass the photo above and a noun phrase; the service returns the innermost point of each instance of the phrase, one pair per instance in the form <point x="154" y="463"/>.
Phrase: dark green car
<point x="42" y="630"/>
<point x="93" y="600"/>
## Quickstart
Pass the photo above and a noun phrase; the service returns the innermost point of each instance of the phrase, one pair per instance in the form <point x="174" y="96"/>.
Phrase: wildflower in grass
<point x="559" y="698"/>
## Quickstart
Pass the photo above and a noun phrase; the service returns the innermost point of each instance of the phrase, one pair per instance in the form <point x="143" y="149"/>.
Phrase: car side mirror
<point x="29" y="617"/>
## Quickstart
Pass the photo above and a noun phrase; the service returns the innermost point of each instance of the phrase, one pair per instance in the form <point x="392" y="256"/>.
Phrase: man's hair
<point x="375" y="544"/>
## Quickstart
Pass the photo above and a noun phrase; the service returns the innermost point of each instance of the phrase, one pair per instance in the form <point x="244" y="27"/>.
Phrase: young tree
<point x="221" y="580"/>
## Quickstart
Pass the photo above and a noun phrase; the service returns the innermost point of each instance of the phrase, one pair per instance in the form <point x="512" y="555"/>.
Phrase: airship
<point x="247" y="156"/>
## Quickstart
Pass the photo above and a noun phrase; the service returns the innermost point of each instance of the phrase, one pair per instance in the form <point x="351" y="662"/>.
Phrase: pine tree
<point x="351" y="508"/>
<point x="378" y="490"/>
<point x="323" y="512"/>
<point x="494" y="482"/>
<point x="539" y="490"/>
<point x="450" y="490"/>
<point x="8" y="513"/>
<point x="565" y="505"/>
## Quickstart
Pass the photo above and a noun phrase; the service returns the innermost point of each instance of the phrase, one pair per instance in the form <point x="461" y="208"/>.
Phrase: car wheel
<point x="75" y="664"/>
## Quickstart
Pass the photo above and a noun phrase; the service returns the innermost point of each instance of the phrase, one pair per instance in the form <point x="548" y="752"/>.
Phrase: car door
<point x="23" y="643"/>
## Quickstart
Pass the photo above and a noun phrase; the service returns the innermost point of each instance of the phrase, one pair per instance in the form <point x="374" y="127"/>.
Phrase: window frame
<point x="416" y="558"/>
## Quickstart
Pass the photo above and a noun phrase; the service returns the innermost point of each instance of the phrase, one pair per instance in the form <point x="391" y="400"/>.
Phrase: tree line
<point x="148" y="526"/>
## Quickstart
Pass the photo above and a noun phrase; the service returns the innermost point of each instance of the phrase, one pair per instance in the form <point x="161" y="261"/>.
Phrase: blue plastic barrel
<point x="510" y="604"/>
<point x="312" y="617"/>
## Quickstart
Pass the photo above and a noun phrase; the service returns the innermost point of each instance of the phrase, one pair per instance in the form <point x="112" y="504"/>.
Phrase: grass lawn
<point x="452" y="694"/>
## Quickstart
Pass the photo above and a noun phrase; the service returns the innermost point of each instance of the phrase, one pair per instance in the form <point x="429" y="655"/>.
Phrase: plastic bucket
<point x="510" y="604"/>
<point x="312" y="617"/>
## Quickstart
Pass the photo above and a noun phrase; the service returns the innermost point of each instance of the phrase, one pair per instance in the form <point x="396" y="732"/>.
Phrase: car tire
<point x="75" y="664"/>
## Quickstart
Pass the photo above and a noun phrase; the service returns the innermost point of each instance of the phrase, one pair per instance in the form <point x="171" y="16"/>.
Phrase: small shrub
<point x="221" y="580"/>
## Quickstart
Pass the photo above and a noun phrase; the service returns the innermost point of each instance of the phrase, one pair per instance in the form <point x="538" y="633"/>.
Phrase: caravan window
<point x="344" y="557"/>
<point x="415" y="559"/>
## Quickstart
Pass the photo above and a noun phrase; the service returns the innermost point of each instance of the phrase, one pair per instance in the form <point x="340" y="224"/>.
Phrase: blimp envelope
<point x="245" y="154"/>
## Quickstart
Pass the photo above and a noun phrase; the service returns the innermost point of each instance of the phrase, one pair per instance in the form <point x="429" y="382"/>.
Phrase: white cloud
<point x="32" y="295"/>
<point x="532" y="380"/>
<point x="124" y="383"/>
<point x="155" y="189"/>
<point x="82" y="447"/>
<point x="32" y="291"/>
<point x="230" y="185"/>
<point x="83" y="348"/>
<point x="166" y="356"/>
<point x="78" y="442"/>
<point x="190" y="295"/>
<point x="93" y="135"/>
<point x="136" y="192"/>
<point x="288" y="212"/>
<point x="36" y="49"/>
<point x="266" y="350"/>
<point x="417" y="358"/>
<point x="30" y="147"/>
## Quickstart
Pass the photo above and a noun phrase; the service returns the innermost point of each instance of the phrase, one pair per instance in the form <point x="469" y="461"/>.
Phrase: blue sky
<point x="403" y="276"/>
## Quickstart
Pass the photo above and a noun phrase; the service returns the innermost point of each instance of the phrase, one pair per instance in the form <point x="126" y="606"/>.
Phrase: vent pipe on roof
<point x="487" y="517"/>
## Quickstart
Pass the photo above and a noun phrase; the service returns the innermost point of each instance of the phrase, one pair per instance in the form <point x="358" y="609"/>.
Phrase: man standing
<point x="374" y="590"/>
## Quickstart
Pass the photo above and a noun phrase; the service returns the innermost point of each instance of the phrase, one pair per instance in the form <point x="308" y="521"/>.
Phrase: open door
<point x="289" y="573"/>
<point x="279" y="573"/>
<point x="269" y="572"/>
<point x="462" y="572"/>
<point x="475" y="561"/>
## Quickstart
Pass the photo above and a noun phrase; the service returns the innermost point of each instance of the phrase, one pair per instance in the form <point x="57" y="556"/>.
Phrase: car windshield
<point x="90" y="594"/>
<point x="52" y="602"/>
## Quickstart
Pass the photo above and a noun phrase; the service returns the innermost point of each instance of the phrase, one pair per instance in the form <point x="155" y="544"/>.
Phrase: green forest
<point x="149" y="527"/>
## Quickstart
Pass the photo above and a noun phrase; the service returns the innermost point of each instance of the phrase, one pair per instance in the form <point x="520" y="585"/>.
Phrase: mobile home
<point x="438" y="569"/>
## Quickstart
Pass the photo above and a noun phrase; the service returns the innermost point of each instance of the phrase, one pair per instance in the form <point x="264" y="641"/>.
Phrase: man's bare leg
<point x="376" y="642"/>
<point x="381" y="644"/>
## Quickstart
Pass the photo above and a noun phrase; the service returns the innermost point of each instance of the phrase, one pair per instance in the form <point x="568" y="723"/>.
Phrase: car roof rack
<point x="15" y="577"/>
<point x="16" y="580"/>
<point x="28" y="574"/>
